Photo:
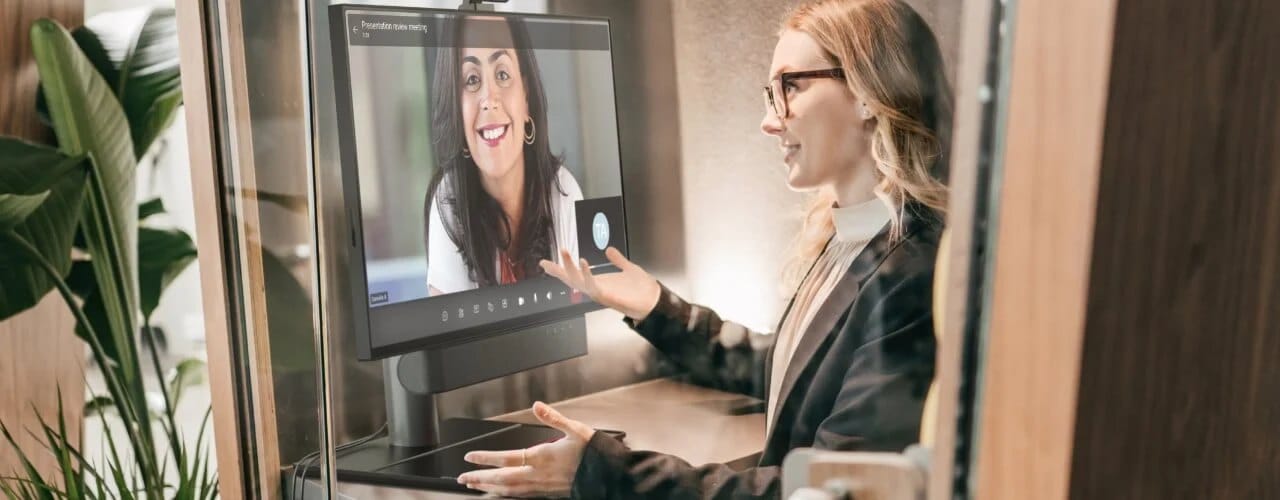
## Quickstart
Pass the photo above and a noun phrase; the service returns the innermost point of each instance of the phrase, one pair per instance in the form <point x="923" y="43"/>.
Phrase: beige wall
<point x="738" y="215"/>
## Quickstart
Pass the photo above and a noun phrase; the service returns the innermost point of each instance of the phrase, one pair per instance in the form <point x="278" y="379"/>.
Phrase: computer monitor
<point x="473" y="145"/>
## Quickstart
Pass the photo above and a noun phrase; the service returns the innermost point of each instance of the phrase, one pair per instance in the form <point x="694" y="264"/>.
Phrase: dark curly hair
<point x="472" y="218"/>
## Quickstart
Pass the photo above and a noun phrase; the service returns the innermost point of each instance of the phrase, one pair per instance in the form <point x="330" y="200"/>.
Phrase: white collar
<point x="860" y="222"/>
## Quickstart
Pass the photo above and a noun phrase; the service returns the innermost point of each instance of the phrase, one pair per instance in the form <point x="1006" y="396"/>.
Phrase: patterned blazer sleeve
<point x="609" y="470"/>
<point x="716" y="353"/>
<point x="877" y="407"/>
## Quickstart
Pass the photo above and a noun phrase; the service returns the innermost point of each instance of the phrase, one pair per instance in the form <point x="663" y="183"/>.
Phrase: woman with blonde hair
<point x="859" y="103"/>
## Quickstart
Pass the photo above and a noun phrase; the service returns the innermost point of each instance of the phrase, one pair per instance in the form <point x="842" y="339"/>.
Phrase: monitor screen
<point x="473" y="145"/>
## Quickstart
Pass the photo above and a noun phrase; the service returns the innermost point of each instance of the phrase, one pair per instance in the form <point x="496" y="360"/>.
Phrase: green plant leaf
<point x="162" y="255"/>
<point x="80" y="279"/>
<point x="154" y="206"/>
<point x="96" y="51"/>
<point x="33" y="475"/>
<point x="96" y="311"/>
<point x="41" y="195"/>
<point x="187" y="373"/>
<point x="9" y="492"/>
<point x="113" y="458"/>
<point x="288" y="316"/>
<point x="72" y="480"/>
<point x="98" y="404"/>
<point x="30" y="490"/>
<point x="141" y="64"/>
<point x="85" y="465"/>
<point x="87" y="119"/>
<point x="28" y="169"/>
<point x="157" y="118"/>
<point x="150" y="86"/>
<point x="15" y="208"/>
<point x="201" y="468"/>
<point x="27" y="173"/>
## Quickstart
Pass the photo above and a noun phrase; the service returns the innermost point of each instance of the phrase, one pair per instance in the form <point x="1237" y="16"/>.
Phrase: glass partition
<point x="395" y="313"/>
<point x="262" y="193"/>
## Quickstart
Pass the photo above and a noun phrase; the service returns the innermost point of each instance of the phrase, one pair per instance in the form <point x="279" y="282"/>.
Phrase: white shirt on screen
<point x="447" y="272"/>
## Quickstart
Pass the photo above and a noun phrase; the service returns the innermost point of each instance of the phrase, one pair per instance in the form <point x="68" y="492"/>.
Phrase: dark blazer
<point x="857" y="379"/>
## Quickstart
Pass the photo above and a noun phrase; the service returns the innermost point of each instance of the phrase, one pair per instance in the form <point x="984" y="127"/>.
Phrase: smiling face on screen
<point x="494" y="107"/>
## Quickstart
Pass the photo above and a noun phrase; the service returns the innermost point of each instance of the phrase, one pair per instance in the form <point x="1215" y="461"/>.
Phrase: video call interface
<point x="483" y="144"/>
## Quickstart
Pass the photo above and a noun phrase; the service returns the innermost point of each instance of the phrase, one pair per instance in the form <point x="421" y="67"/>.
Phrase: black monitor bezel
<point x="356" y="268"/>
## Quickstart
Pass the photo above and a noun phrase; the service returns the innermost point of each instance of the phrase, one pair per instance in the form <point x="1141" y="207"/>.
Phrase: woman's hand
<point x="545" y="470"/>
<point x="632" y="292"/>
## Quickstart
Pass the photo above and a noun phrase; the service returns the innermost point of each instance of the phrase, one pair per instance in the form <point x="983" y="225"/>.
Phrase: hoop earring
<point x="530" y="132"/>
<point x="466" y="153"/>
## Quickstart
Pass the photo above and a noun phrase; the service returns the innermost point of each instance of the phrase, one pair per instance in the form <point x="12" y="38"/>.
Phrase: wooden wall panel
<point x="39" y="351"/>
<point x="1180" y="376"/>
<point x="1135" y="320"/>
<point x="39" y="354"/>
<point x="1056" y="103"/>
<point x="18" y="90"/>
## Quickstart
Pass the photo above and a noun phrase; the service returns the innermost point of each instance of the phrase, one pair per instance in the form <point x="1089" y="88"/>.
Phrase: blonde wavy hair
<point x="892" y="63"/>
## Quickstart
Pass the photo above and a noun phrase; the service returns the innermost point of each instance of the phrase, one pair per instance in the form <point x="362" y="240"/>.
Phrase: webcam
<point x="479" y="4"/>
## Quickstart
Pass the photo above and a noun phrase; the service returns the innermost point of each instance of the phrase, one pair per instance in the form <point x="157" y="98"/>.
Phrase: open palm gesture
<point x="545" y="470"/>
<point x="632" y="292"/>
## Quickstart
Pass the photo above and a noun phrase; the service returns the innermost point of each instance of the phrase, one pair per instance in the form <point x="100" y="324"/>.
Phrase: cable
<point x="310" y="459"/>
<point x="300" y="470"/>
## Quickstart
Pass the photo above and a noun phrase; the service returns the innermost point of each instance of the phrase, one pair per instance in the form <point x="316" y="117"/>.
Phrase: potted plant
<point x="70" y="223"/>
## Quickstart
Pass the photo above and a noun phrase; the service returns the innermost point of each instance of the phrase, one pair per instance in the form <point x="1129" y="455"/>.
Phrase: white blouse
<point x="855" y="227"/>
<point x="446" y="270"/>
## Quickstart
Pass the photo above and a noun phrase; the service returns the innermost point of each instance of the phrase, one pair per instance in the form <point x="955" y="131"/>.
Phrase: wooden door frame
<point x="1024" y="320"/>
<point x="1056" y="104"/>
<point x="198" y="104"/>
<point x="1112" y="106"/>
<point x="1046" y="131"/>
<point x="966" y="206"/>
<point x="240" y="375"/>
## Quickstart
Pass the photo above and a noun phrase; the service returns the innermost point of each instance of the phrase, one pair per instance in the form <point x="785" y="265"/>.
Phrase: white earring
<point x="866" y="113"/>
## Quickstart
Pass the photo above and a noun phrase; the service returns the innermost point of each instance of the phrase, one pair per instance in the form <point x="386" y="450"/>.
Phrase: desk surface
<point x="697" y="424"/>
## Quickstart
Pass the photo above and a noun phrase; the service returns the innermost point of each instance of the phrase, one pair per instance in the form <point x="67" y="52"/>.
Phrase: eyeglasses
<point x="776" y="93"/>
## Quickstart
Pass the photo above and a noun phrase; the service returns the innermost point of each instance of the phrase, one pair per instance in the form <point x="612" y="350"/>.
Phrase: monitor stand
<point x="420" y="450"/>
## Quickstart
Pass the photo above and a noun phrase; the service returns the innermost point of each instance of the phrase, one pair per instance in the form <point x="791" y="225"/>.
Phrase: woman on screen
<point x="858" y="102"/>
<point x="499" y="201"/>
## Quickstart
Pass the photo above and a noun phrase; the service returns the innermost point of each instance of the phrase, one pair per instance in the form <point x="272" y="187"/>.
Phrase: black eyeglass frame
<point x="784" y="110"/>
